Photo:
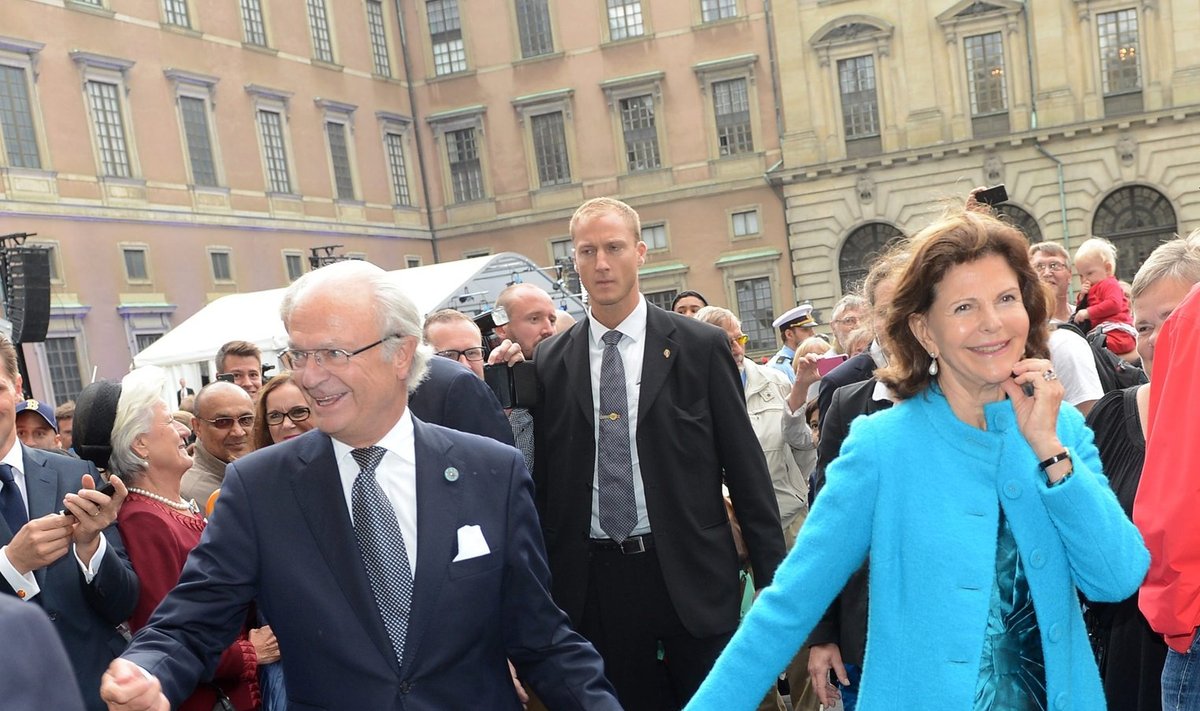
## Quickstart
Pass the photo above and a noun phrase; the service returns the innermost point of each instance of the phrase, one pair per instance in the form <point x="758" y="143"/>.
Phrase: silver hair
<point x="141" y="390"/>
<point x="717" y="316"/>
<point x="1177" y="259"/>
<point x="848" y="302"/>
<point x="395" y="313"/>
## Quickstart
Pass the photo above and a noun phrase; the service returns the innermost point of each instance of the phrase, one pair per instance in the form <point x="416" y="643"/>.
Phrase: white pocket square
<point x="471" y="543"/>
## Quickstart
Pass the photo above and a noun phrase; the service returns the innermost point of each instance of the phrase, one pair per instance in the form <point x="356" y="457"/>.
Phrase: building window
<point x="466" y="172"/>
<point x="293" y="263"/>
<point x="144" y="340"/>
<point x="1120" y="69"/>
<point x="199" y="140"/>
<point x="861" y="248"/>
<point x="533" y="27"/>
<point x="318" y="24"/>
<point x="270" y="127"/>
<point x="16" y="119"/>
<point x="561" y="249"/>
<point x="339" y="157"/>
<point x="476" y="253"/>
<point x="985" y="84"/>
<point x="379" y="45"/>
<point x="1020" y="219"/>
<point x="445" y="33"/>
<point x="731" y="106"/>
<point x="550" y="149"/>
<point x="93" y="3"/>
<point x="655" y="236"/>
<point x="136" y="269"/>
<point x="713" y="10"/>
<point x="860" y="106"/>
<point x="62" y="357"/>
<point x="756" y="309"/>
<point x="412" y="262"/>
<point x="253" y="25"/>
<point x="661" y="299"/>
<point x="625" y="19"/>
<point x="222" y="269"/>
<point x="394" y="143"/>
<point x="176" y="13"/>
<point x="745" y="223"/>
<point x="641" y="135"/>
<point x="1136" y="219"/>
<point x="104" y="100"/>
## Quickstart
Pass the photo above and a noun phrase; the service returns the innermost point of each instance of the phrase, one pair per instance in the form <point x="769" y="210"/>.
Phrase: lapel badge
<point x="666" y="353"/>
<point x="451" y="474"/>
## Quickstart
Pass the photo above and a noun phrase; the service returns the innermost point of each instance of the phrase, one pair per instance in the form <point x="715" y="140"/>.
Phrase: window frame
<point x="287" y="254"/>
<point x="529" y="108"/>
<point x="964" y="20"/>
<point x="709" y="73"/>
<point x="319" y="51"/>
<point x="832" y="44"/>
<point x="433" y="43"/>
<point x="666" y="236"/>
<point x="378" y="36"/>
<point x="701" y="20"/>
<point x="212" y="252"/>
<point x="606" y="21"/>
<point x="519" y="27"/>
<point x="23" y="56"/>
<point x="397" y="126"/>
<point x="264" y="99"/>
<point x="111" y="71"/>
<point x="447" y="122"/>
<point x="622" y="88"/>
<point x="261" y="7"/>
<point x="144" y="248"/>
<point x="189" y="14"/>
<point x="341" y="114"/>
<point x="200" y="87"/>
<point x="734" y="212"/>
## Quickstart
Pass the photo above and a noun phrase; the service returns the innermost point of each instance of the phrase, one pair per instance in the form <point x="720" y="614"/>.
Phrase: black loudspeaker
<point x="29" y="293"/>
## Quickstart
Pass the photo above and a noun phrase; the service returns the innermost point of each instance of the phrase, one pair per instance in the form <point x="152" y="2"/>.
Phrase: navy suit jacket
<point x="85" y="615"/>
<point x="37" y="675"/>
<point x="281" y="535"/>
<point x="693" y="433"/>
<point x="451" y="395"/>
<point x="854" y="370"/>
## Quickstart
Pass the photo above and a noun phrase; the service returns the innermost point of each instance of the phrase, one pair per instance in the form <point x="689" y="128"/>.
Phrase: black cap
<point x="95" y="415"/>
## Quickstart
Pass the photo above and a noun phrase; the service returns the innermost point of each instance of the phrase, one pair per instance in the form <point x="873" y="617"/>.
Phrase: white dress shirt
<point x="27" y="583"/>
<point x="396" y="475"/>
<point x="632" y="349"/>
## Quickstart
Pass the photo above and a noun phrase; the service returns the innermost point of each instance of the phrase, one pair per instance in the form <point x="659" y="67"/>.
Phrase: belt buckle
<point x="633" y="546"/>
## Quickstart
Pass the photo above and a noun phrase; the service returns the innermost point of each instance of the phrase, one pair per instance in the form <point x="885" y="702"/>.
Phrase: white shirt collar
<point x="393" y="441"/>
<point x="15" y="457"/>
<point x="633" y="327"/>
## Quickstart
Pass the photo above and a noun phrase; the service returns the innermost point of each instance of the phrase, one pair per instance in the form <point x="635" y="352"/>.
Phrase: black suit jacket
<point x="37" y="675"/>
<point x="855" y="370"/>
<point x="281" y="536"/>
<point x="693" y="432"/>
<point x="451" y="395"/>
<point x="845" y="622"/>
<point x="85" y="615"/>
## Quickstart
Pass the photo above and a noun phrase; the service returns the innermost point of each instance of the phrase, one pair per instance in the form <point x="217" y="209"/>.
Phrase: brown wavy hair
<point x="960" y="236"/>
<point x="261" y="436"/>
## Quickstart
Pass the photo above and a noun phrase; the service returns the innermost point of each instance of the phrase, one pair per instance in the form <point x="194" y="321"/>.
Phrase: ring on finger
<point x="1049" y="375"/>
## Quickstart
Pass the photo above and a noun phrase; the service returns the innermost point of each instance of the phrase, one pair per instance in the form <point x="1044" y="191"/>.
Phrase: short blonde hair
<point x="813" y="344"/>
<point x="605" y="206"/>
<point x="1177" y="259"/>
<point x="1098" y="247"/>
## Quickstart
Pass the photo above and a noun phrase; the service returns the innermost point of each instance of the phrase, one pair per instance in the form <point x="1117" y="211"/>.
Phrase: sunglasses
<point x="225" y="423"/>
<point x="296" y="414"/>
<point x="741" y="340"/>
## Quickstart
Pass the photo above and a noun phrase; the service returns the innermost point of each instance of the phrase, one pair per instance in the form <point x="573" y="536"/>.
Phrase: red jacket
<point x="1165" y="507"/>
<point x="1106" y="303"/>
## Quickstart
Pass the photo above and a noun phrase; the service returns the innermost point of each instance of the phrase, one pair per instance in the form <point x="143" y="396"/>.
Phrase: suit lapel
<point x="317" y="487"/>
<point x="579" y="369"/>
<point x="41" y="486"/>
<point x="438" y="502"/>
<point x="660" y="355"/>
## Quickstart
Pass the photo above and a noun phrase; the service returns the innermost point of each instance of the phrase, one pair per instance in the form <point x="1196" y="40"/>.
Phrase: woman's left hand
<point x="1037" y="414"/>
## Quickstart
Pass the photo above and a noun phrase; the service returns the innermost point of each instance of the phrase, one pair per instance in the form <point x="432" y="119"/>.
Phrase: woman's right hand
<point x="266" y="647"/>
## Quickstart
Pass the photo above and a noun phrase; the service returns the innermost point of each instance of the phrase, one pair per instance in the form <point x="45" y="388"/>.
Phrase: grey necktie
<point x="521" y="421"/>
<point x="381" y="545"/>
<point x="618" y="509"/>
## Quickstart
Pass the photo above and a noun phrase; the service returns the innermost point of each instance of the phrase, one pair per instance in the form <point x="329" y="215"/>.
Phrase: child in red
<point x="1102" y="302"/>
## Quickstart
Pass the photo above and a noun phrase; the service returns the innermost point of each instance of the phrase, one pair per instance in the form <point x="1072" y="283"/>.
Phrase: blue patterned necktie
<point x="381" y="545"/>
<point x="614" y="461"/>
<point x="12" y="506"/>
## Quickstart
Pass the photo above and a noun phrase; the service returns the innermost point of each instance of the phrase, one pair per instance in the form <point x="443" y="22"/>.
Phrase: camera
<point x="515" y="386"/>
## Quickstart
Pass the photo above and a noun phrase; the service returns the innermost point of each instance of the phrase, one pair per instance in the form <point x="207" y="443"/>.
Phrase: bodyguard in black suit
<point x="643" y="555"/>
<point x="43" y="555"/>
<point x="37" y="675"/>
<point x="452" y="396"/>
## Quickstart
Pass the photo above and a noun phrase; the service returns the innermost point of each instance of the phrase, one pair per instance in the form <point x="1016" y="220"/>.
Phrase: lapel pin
<point x="451" y="474"/>
<point x="612" y="416"/>
<point x="666" y="353"/>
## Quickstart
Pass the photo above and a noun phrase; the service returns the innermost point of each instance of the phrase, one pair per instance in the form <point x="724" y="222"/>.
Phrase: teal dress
<point x="1012" y="673"/>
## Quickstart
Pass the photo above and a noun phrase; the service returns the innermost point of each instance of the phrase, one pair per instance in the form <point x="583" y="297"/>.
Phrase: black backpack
<point x="1115" y="373"/>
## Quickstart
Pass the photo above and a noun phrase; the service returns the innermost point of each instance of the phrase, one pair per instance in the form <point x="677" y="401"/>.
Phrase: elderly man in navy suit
<point x="72" y="565"/>
<point x="400" y="563"/>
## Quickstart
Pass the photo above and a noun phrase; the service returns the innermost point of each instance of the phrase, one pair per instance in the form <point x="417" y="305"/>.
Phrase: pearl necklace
<point x="177" y="505"/>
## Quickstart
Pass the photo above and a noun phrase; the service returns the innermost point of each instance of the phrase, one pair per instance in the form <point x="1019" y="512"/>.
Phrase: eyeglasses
<point x="1049" y="267"/>
<point x="475" y="353"/>
<point x="327" y="358"/>
<point x="225" y="423"/>
<point x="850" y="321"/>
<point x="296" y="414"/>
<point x="741" y="340"/>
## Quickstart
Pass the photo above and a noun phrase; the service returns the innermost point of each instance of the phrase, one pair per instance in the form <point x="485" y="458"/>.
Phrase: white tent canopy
<point x="469" y="285"/>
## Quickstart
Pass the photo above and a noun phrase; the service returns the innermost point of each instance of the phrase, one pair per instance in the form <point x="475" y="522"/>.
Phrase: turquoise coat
<point x="921" y="491"/>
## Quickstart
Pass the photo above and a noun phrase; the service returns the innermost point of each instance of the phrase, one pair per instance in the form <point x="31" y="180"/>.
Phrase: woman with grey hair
<point x="149" y="452"/>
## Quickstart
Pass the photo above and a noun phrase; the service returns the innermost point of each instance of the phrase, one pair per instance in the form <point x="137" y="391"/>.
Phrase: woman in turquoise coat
<point x="979" y="498"/>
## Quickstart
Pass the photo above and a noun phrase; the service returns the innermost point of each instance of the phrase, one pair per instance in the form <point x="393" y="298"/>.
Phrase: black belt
<point x="630" y="546"/>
